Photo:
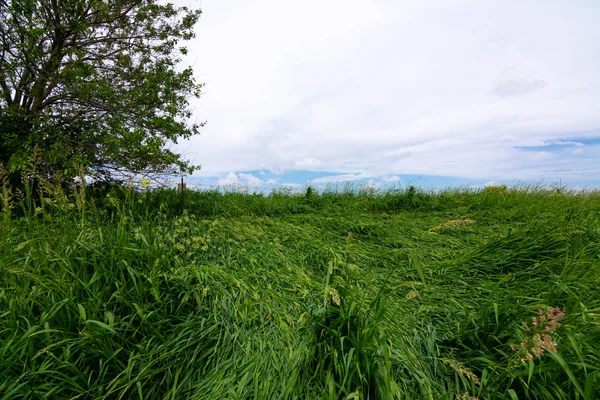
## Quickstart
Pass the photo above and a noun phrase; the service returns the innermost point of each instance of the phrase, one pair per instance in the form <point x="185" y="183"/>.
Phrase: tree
<point x="95" y="83"/>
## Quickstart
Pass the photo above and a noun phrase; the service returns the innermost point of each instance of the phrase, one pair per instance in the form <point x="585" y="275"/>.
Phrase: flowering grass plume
<point x="453" y="223"/>
<point x="541" y="330"/>
<point x="460" y="368"/>
<point x="465" y="396"/>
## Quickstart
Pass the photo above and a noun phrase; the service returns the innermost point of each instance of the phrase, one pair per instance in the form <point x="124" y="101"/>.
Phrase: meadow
<point x="333" y="294"/>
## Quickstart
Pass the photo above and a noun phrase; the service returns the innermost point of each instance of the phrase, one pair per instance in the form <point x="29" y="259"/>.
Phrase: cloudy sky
<point x="441" y="93"/>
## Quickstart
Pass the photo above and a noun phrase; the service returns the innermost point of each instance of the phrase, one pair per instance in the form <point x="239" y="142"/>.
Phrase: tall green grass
<point x="403" y="294"/>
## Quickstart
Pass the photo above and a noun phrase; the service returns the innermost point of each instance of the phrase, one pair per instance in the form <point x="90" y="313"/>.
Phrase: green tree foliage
<point x="95" y="83"/>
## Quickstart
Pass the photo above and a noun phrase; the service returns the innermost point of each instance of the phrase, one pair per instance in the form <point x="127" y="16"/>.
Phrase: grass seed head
<point x="541" y="339"/>
<point x="461" y="369"/>
<point x="453" y="223"/>
<point x="335" y="296"/>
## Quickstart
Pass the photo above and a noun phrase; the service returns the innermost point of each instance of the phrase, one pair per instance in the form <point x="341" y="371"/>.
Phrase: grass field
<point x="404" y="294"/>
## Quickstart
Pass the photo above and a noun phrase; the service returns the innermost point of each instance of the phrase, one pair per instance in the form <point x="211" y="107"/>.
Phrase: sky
<point x="391" y="92"/>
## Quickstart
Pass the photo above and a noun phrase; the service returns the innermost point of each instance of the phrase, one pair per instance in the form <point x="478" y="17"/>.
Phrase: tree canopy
<point x="95" y="83"/>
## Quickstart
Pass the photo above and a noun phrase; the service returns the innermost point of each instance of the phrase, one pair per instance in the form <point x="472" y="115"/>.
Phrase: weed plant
<point x="353" y="294"/>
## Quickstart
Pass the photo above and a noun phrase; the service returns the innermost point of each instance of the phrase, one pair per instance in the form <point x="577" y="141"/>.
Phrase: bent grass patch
<point x="332" y="295"/>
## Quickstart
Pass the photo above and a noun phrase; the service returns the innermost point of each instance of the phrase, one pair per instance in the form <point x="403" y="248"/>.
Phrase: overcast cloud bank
<point x="475" y="91"/>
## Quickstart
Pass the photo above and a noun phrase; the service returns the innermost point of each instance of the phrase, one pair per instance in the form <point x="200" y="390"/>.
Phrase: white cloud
<point x="230" y="179"/>
<point x="250" y="179"/>
<point x="239" y="179"/>
<point x="568" y="143"/>
<point x="307" y="163"/>
<point x="387" y="87"/>
<point x="272" y="170"/>
<point x="391" y="179"/>
<point x="337" y="178"/>
<point x="517" y="87"/>
<point x="542" y="156"/>
<point x="271" y="182"/>
<point x="553" y="143"/>
<point x="577" y="151"/>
